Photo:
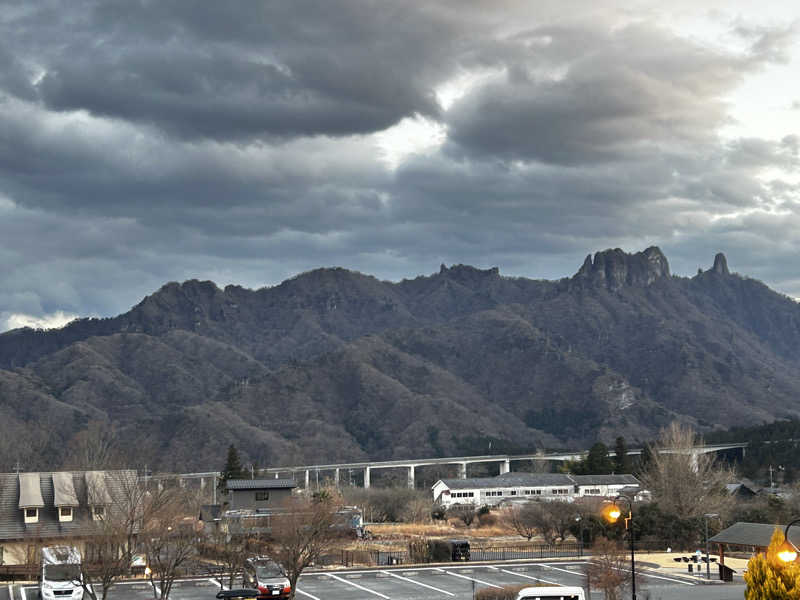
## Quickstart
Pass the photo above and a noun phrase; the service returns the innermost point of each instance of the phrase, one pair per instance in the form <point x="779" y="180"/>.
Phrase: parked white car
<point x="60" y="577"/>
<point x="551" y="593"/>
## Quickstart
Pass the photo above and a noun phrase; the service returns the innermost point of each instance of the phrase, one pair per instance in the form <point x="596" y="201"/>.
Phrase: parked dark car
<point x="449" y="550"/>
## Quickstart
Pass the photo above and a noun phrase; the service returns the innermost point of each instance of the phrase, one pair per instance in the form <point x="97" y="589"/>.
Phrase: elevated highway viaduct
<point x="304" y="472"/>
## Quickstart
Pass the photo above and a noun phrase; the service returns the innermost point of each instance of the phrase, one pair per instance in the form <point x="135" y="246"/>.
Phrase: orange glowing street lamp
<point x="612" y="513"/>
<point x="787" y="551"/>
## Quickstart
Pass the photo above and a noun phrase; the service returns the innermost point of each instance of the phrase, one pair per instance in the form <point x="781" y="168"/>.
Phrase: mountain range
<point x="334" y="365"/>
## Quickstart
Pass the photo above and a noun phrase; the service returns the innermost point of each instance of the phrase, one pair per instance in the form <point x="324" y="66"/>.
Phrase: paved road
<point x="434" y="583"/>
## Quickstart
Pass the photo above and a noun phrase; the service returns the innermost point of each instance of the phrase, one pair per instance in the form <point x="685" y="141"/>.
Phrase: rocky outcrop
<point x="613" y="269"/>
<point x="720" y="265"/>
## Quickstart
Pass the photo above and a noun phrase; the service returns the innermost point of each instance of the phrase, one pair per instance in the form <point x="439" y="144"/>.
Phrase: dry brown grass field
<point x="438" y="529"/>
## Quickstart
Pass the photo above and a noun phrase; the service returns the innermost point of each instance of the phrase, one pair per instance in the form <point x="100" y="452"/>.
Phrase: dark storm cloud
<point x="244" y="70"/>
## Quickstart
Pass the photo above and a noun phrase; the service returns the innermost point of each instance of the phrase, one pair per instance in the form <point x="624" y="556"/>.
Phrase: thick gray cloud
<point x="142" y="142"/>
<point x="244" y="70"/>
<point x="581" y="95"/>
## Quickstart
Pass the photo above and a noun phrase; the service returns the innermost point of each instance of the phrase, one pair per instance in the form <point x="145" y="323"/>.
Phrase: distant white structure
<point x="480" y="491"/>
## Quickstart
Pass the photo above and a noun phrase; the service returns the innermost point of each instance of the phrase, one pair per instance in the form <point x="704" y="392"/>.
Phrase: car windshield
<point x="268" y="569"/>
<point x="62" y="572"/>
<point x="549" y="597"/>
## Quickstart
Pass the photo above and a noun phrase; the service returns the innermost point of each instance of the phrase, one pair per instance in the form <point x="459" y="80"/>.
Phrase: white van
<point x="60" y="577"/>
<point x="551" y="593"/>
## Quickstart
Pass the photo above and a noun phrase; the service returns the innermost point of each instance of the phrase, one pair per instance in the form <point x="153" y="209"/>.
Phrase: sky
<point x="244" y="142"/>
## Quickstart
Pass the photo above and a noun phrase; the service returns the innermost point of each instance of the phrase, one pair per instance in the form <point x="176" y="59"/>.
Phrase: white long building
<point x="481" y="491"/>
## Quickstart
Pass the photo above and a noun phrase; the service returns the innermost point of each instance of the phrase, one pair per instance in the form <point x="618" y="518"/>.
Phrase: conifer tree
<point x="768" y="578"/>
<point x="598" y="462"/>
<point x="232" y="469"/>
<point x="622" y="463"/>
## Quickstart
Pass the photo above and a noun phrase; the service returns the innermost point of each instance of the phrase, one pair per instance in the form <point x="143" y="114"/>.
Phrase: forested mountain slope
<point x="336" y="365"/>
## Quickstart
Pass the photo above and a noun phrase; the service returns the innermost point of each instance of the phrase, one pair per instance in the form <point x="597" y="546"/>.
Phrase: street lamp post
<point x="579" y="519"/>
<point x="787" y="551"/>
<point x="706" y="517"/>
<point x="613" y="514"/>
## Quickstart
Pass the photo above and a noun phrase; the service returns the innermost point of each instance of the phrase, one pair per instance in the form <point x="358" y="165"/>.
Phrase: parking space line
<point x="430" y="587"/>
<point x="645" y="574"/>
<point x="22" y="593"/>
<point x="530" y="577"/>
<point x="475" y="580"/>
<point x="221" y="585"/>
<point x="443" y="569"/>
<point x="299" y="591"/>
<point x="361" y="587"/>
<point x="641" y="572"/>
<point x="10" y="592"/>
<point x="566" y="571"/>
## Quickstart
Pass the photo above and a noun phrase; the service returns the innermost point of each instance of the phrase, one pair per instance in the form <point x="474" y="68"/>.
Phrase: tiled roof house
<point x="40" y="509"/>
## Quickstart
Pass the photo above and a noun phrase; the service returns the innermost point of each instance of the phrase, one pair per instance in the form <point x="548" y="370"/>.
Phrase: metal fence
<point x="490" y="553"/>
<point x="480" y="552"/>
<point x="527" y="551"/>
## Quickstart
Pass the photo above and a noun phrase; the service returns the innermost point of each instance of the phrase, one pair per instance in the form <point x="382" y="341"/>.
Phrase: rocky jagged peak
<point x="465" y="273"/>
<point x="720" y="264"/>
<point x="615" y="268"/>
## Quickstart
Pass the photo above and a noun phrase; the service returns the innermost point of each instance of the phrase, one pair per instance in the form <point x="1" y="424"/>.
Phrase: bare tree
<point x="551" y="519"/>
<point x="300" y="534"/>
<point x="682" y="482"/>
<point x="95" y="447"/>
<point x="169" y="537"/>
<point x="230" y="553"/>
<point x="464" y="512"/>
<point x="106" y="558"/>
<point x="523" y="519"/>
<point x="607" y="569"/>
<point x="418" y="510"/>
<point x="112" y="538"/>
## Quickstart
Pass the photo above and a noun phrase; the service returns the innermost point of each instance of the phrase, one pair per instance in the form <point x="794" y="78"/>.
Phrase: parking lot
<point x="429" y="583"/>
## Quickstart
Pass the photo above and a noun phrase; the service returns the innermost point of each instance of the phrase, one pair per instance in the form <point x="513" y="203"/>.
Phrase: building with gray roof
<point x="516" y="486"/>
<point x="252" y="494"/>
<point x="39" y="509"/>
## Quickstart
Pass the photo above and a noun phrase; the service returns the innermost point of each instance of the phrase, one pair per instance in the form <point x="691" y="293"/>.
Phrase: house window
<point x="593" y="492"/>
<point x="513" y="492"/>
<point x="262" y="496"/>
<point x="65" y="513"/>
<point x="99" y="512"/>
<point x="31" y="515"/>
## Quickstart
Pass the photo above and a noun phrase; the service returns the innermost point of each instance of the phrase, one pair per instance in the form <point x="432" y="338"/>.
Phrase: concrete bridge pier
<point x="308" y="478"/>
<point x="336" y="477"/>
<point x="411" y="482"/>
<point x="462" y="470"/>
<point x="505" y="466"/>
<point x="366" y="478"/>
